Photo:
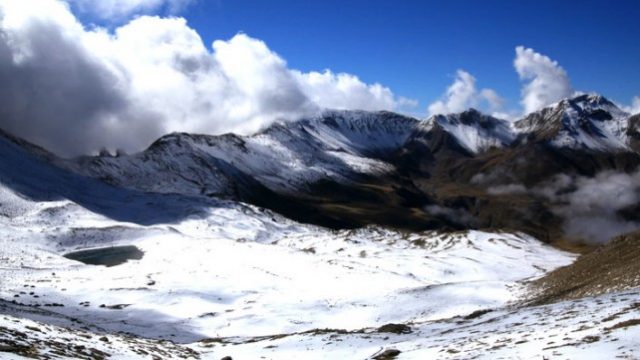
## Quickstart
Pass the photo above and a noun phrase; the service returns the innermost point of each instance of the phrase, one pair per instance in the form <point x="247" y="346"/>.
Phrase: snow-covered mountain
<point x="210" y="268"/>
<point x="585" y="122"/>
<point x="472" y="130"/>
<point x="338" y="145"/>
<point x="201" y="263"/>
<point x="343" y="146"/>
<point x="222" y="271"/>
<point x="337" y="169"/>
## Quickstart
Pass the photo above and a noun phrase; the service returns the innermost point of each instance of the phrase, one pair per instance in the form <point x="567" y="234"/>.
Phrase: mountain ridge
<point x="346" y="169"/>
<point x="215" y="257"/>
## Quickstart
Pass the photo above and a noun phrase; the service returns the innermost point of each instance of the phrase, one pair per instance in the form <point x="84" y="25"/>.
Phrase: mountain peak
<point x="472" y="111"/>
<point x="473" y="130"/>
<point x="588" y="121"/>
<point x="592" y="99"/>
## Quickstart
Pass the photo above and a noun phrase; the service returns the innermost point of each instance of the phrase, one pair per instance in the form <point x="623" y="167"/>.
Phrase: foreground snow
<point x="230" y="279"/>
<point x="603" y="327"/>
<point x="607" y="326"/>
<point x="239" y="272"/>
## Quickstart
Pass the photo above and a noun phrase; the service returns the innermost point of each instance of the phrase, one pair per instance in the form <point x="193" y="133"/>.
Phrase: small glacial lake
<point x="109" y="256"/>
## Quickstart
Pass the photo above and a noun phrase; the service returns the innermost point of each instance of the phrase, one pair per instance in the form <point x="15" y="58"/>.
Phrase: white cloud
<point x="346" y="91"/>
<point x="462" y="94"/>
<point x="74" y="90"/>
<point x="593" y="208"/>
<point x="459" y="96"/>
<point x="118" y="9"/>
<point x="635" y="106"/>
<point x="545" y="81"/>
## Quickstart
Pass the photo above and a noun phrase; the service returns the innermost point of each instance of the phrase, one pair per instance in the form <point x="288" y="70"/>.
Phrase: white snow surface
<point x="479" y="133"/>
<point x="592" y="328"/>
<point x="220" y="269"/>
<point x="236" y="271"/>
<point x="236" y="281"/>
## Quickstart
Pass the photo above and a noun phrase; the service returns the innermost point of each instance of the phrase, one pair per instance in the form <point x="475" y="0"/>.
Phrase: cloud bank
<point x="74" y="90"/>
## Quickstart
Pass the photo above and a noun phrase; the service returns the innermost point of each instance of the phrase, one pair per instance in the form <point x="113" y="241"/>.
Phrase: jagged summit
<point x="586" y="121"/>
<point x="592" y="99"/>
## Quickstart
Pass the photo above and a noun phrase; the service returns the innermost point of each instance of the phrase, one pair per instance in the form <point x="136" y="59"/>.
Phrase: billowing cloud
<point x="343" y="91"/>
<point x="545" y="81"/>
<point x="463" y="94"/>
<point x="118" y="9"/>
<point x="74" y="90"/>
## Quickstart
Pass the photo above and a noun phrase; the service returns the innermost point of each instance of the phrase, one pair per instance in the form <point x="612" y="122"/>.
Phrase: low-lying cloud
<point x="74" y="90"/>
<point x="593" y="208"/>
<point x="457" y="216"/>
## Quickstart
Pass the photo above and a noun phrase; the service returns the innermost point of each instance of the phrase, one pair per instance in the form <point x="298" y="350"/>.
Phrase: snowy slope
<point x="21" y="338"/>
<point x="219" y="268"/>
<point x="474" y="131"/>
<point x="226" y="273"/>
<point x="603" y="327"/>
<point x="338" y="145"/>
<point x="234" y="281"/>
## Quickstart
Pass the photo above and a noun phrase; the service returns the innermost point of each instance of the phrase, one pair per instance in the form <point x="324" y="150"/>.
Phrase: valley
<point x="351" y="235"/>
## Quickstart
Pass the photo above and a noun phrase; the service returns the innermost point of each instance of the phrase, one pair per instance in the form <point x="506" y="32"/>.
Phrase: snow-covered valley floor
<point x="233" y="280"/>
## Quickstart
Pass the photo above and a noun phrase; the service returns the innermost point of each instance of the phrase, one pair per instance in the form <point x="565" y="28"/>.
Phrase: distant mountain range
<point x="347" y="169"/>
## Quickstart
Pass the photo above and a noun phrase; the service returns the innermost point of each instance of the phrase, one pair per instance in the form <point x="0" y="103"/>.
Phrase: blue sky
<point x="415" y="47"/>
